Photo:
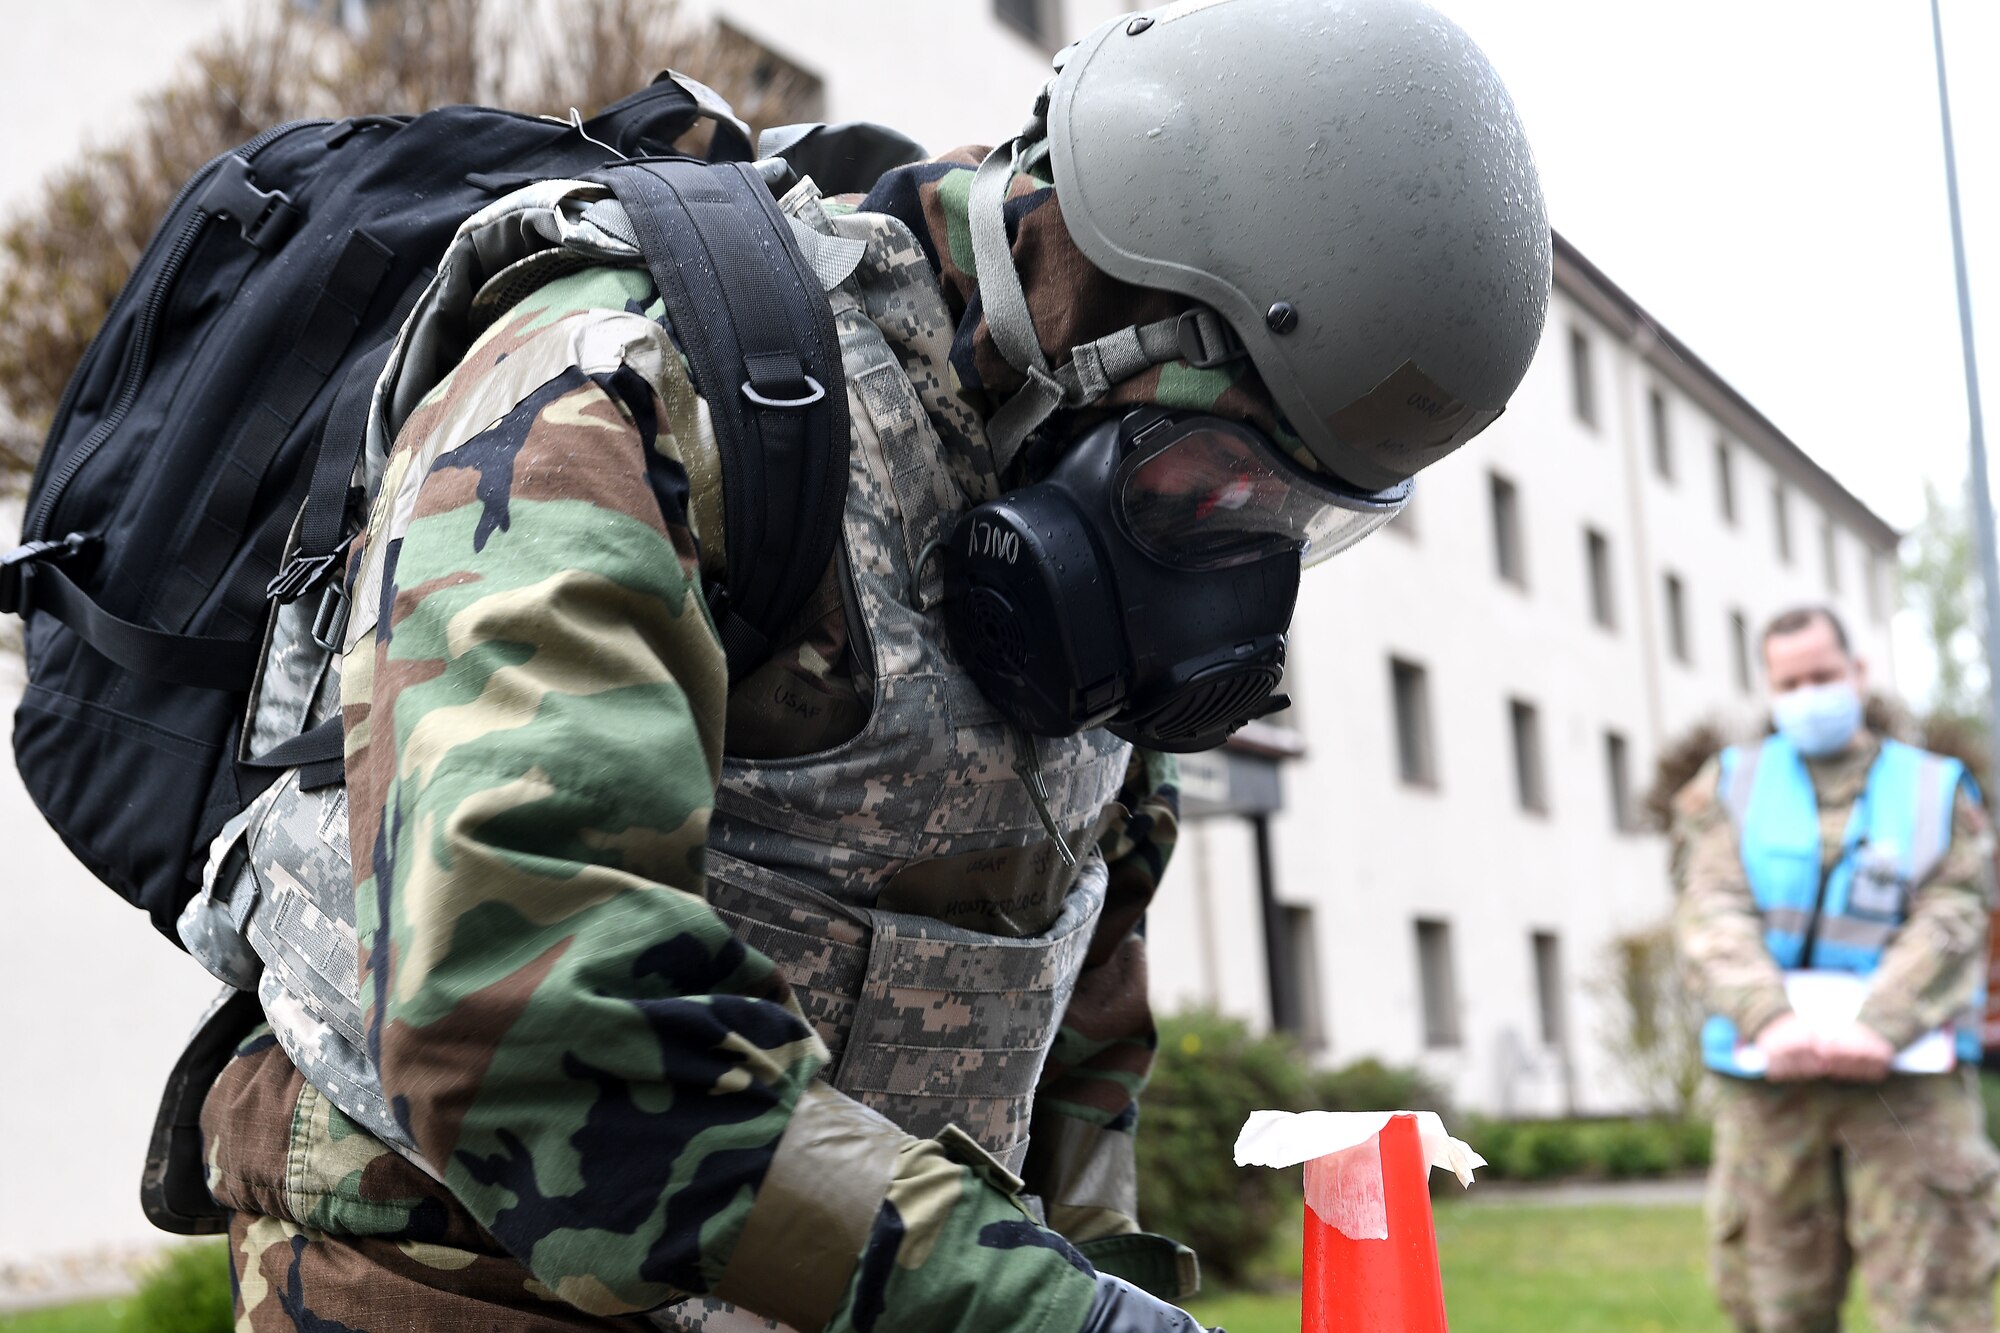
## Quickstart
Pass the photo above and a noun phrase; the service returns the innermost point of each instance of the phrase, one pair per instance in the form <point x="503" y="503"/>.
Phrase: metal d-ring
<point x="818" y="392"/>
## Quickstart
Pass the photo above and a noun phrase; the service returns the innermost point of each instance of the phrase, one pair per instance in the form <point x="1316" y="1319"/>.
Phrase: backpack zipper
<point x="142" y="336"/>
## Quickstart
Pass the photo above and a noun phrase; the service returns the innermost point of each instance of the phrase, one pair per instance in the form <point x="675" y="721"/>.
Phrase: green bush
<point x="187" y="1292"/>
<point x="1493" y="1140"/>
<point x="1537" y="1150"/>
<point x="1370" y="1085"/>
<point x="1628" y="1149"/>
<point x="1209" y="1076"/>
<point x="1548" y="1150"/>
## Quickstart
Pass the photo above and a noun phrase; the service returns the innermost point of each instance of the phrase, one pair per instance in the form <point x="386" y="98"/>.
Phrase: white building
<point x="1481" y="690"/>
<point x="1410" y="827"/>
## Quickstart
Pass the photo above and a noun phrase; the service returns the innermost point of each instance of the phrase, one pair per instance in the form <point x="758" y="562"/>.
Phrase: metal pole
<point x="1982" y="493"/>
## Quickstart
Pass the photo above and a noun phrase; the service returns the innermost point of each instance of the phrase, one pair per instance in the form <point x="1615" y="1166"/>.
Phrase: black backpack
<point x="220" y="409"/>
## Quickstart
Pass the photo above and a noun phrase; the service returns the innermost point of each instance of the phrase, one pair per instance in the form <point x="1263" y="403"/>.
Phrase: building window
<point x="1530" y="788"/>
<point x="1298" y="979"/>
<point x="1509" y="560"/>
<point x="1583" y="384"/>
<point x="1031" y="18"/>
<point x="1597" y="562"/>
<point x="1410" y="685"/>
<point x="1677" y="620"/>
<point x="1781" y="521"/>
<point x="1739" y="643"/>
<point x="1548" y="986"/>
<point x="1440" y="986"/>
<point x="1663" y="440"/>
<point x="1829" y="550"/>
<point x="1618" y="780"/>
<point x="1725" y="481"/>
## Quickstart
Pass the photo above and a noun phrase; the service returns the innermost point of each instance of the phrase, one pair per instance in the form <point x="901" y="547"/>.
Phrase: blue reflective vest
<point x="1898" y="831"/>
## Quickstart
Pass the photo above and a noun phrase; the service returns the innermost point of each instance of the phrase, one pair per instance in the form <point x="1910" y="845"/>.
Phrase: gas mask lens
<point x="1204" y="493"/>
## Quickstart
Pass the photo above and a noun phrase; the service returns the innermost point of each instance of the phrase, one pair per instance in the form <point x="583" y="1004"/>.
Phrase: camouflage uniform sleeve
<point x="1086" y="1108"/>
<point x="613" y="1084"/>
<point x="1930" y="969"/>
<point x="1717" y="927"/>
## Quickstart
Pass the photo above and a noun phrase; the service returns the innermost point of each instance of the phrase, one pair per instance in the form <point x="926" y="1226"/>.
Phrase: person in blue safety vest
<point x="1832" y="914"/>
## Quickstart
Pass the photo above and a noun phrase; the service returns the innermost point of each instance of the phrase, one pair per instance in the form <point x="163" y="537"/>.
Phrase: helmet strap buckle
<point x="1206" y="340"/>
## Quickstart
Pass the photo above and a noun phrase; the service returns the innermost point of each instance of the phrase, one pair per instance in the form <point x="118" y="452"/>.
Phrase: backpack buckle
<point x="302" y="571"/>
<point x="265" y="217"/>
<point x="330" y="621"/>
<point x="14" y="566"/>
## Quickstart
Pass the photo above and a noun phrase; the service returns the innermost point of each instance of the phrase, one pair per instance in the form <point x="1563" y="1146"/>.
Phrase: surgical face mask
<point x="1147" y="583"/>
<point x="1818" y="720"/>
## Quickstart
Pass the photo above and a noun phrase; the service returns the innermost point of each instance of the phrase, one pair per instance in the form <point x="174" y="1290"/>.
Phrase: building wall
<point x="946" y="73"/>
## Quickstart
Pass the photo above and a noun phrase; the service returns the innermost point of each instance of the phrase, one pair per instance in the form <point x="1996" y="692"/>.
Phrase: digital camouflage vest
<point x="904" y="880"/>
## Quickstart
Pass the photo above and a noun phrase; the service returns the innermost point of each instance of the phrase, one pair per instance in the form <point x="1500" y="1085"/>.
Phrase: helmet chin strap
<point x="1199" y="337"/>
<point x="1005" y="302"/>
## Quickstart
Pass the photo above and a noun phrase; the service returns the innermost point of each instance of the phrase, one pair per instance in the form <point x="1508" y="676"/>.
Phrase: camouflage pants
<point x="1812" y="1180"/>
<point x="331" y="1232"/>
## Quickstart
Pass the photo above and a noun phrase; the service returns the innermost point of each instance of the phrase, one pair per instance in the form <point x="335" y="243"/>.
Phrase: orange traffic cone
<point x="1389" y="1285"/>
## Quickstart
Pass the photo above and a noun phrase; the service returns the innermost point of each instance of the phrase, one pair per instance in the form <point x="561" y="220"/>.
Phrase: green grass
<point x="93" y="1317"/>
<point x="1553" y="1270"/>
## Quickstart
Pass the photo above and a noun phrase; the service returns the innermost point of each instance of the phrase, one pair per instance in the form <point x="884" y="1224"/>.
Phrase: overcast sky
<point x="1767" y="178"/>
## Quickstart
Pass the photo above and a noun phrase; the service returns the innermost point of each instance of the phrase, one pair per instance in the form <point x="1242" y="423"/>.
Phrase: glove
<point x="1121" y="1307"/>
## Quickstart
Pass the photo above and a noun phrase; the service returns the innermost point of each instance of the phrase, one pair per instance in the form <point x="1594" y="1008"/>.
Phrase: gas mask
<point x="1146" y="584"/>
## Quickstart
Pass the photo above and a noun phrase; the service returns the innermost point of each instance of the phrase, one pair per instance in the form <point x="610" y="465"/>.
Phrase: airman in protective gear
<point x="817" y="1000"/>
<point x="1827" y="860"/>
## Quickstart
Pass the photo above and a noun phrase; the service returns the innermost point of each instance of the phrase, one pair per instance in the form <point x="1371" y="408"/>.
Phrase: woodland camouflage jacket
<point x="575" y="1042"/>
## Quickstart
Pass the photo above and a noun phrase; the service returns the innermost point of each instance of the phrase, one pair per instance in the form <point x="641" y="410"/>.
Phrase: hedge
<point x="1537" y="1150"/>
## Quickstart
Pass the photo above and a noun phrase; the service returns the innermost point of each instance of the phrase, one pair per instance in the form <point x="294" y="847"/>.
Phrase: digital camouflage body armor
<point x="903" y="880"/>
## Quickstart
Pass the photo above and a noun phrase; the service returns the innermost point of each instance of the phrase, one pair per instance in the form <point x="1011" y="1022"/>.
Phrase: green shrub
<point x="187" y="1292"/>
<point x="1493" y="1140"/>
<point x="1547" y="1150"/>
<point x="1628" y="1149"/>
<point x="1209" y="1076"/>
<point x="1370" y="1085"/>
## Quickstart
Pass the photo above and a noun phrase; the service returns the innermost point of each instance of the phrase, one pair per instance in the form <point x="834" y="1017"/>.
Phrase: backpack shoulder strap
<point x="751" y="317"/>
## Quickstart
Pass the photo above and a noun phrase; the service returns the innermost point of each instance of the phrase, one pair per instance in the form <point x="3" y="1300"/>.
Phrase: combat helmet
<point x="1346" y="183"/>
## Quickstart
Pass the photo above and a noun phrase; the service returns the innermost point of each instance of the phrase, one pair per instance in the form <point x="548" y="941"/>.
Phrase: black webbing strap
<point x="215" y="664"/>
<point x="324" y="336"/>
<point x="318" y="754"/>
<point x="751" y="316"/>
<point x="322" y="527"/>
